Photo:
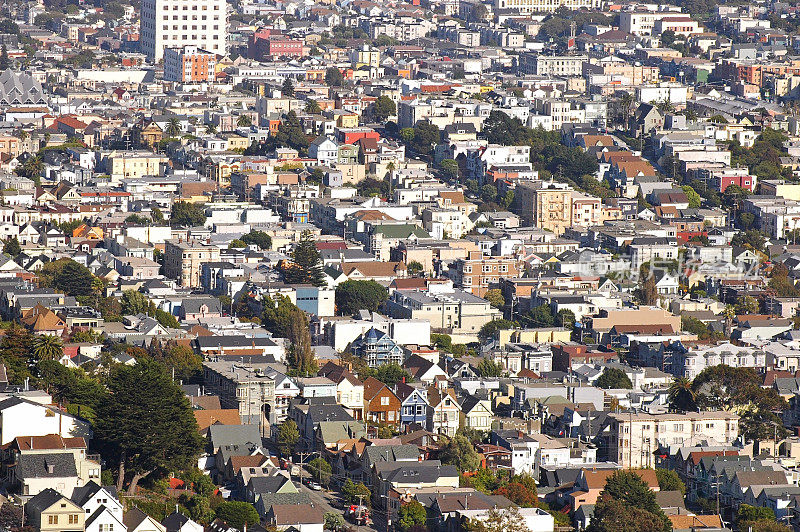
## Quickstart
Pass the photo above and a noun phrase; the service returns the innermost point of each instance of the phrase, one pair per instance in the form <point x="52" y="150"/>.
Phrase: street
<point x="329" y="501"/>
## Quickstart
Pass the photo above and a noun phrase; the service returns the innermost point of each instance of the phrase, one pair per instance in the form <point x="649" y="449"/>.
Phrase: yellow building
<point x="133" y="164"/>
<point x="52" y="512"/>
<point x="545" y="205"/>
<point x="552" y="335"/>
<point x="366" y="56"/>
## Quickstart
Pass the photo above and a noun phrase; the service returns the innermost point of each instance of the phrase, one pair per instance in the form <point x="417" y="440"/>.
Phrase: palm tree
<point x="173" y="127"/>
<point x="48" y="347"/>
<point x="681" y="395"/>
<point x="244" y="121"/>
<point x="626" y="102"/>
<point x="211" y="129"/>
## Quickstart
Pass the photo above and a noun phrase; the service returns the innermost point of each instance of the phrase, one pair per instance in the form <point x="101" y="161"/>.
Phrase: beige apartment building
<point x="184" y="259"/>
<point x="545" y="205"/>
<point x="133" y="164"/>
<point x="633" y="439"/>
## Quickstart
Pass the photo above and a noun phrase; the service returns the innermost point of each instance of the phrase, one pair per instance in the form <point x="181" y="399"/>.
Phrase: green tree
<point x="613" y="378"/>
<point x="681" y="395"/>
<point x="166" y="319"/>
<point x="411" y="514"/>
<point x="134" y="302"/>
<point x="747" y="305"/>
<point x="259" y="238"/>
<point x="16" y="349"/>
<point x="237" y="514"/>
<point x="489" y="329"/>
<point x="383" y="108"/>
<point x="669" y="480"/>
<point x="312" y="107"/>
<point x="489" y="368"/>
<point x="185" y="214"/>
<point x="67" y="276"/>
<point x="647" y="293"/>
<point x="353" y="493"/>
<point x="495" y="297"/>
<point x="488" y="193"/>
<point x="321" y="470"/>
<point x="627" y="502"/>
<point x="32" y="168"/>
<point x="182" y="360"/>
<point x="287" y="89"/>
<point x="145" y="424"/>
<point x="306" y="267"/>
<point x="173" y="128"/>
<point x="11" y="247"/>
<point x="391" y="374"/>
<point x="237" y="243"/>
<point x="353" y="296"/>
<point x="47" y="347"/>
<point x="333" y="521"/>
<point x="565" y="318"/>
<point x="694" y="197"/>
<point x="450" y="169"/>
<point x="542" y="316"/>
<point x="244" y="121"/>
<point x="334" y="77"/>
<point x="414" y="268"/>
<point x="156" y="215"/>
<point x="747" y="512"/>
<point x="460" y="452"/>
<point x="288" y="436"/>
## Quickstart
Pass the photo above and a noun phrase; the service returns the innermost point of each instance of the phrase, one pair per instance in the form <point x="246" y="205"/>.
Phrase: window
<point x="73" y="519"/>
<point x="52" y="519"/>
<point x="384" y="401"/>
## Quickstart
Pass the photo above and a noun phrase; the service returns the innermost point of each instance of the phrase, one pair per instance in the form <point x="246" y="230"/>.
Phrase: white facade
<point x="176" y="23"/>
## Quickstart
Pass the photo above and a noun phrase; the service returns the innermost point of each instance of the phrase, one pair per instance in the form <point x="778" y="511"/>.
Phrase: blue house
<point x="413" y="404"/>
<point x="377" y="348"/>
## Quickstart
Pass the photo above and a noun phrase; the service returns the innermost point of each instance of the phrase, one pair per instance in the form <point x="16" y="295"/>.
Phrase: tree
<point x="32" y="168"/>
<point x="488" y="193"/>
<point x="11" y="518"/>
<point x="312" y="107"/>
<point x="244" y="121"/>
<point x="48" y="347"/>
<point x="647" y="291"/>
<point x="489" y="368"/>
<point x="321" y="470"/>
<point x="519" y="493"/>
<point x="173" y="128"/>
<point x="287" y="89"/>
<point x="414" y="268"/>
<point x="411" y="514"/>
<point x="681" y="395"/>
<point x="145" y="424"/>
<point x="165" y="319"/>
<point x="669" y="480"/>
<point x="334" y="77"/>
<point x="542" y="316"/>
<point x="422" y="138"/>
<point x="460" y="452"/>
<point x="391" y="374"/>
<point x="489" y="329"/>
<point x="67" y="276"/>
<point x="333" y="521"/>
<point x="613" y="378"/>
<point x="383" y="108"/>
<point x="507" y="520"/>
<point x="667" y="37"/>
<point x="747" y="512"/>
<point x="182" y="360"/>
<point x="306" y="267"/>
<point x="11" y="247"/>
<point x="628" y="504"/>
<point x="355" y="295"/>
<point x="565" y="318"/>
<point x="450" y="169"/>
<point x="134" y="302"/>
<point x="694" y="197"/>
<point x="237" y="514"/>
<point x="237" y="243"/>
<point x="185" y="214"/>
<point x="259" y="238"/>
<point x="288" y="436"/>
<point x="5" y="63"/>
<point x="156" y="215"/>
<point x="747" y="305"/>
<point x="495" y="297"/>
<point x="354" y="493"/>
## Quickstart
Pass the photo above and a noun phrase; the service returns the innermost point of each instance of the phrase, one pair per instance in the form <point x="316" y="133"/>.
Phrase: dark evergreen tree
<point x="306" y="267"/>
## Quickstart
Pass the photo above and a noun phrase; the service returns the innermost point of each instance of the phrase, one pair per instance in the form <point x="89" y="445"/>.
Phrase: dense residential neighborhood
<point x="412" y="265"/>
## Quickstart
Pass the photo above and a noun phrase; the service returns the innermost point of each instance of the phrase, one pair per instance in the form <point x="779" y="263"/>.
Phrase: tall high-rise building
<point x="178" y="23"/>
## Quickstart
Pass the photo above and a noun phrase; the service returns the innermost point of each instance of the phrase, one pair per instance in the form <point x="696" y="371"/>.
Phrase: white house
<point x="22" y="417"/>
<point x="104" y="520"/>
<point x="324" y="150"/>
<point x="177" y="522"/>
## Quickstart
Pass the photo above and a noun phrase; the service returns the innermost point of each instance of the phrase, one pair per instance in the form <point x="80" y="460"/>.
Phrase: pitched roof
<point x="596" y="479"/>
<point x="49" y="465"/>
<point x="693" y="522"/>
<point x="223" y="416"/>
<point x="296" y="514"/>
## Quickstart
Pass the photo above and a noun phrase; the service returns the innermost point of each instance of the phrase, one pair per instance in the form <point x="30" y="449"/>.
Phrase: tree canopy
<point x="612" y="378"/>
<point x="185" y="214"/>
<point x="353" y="296"/>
